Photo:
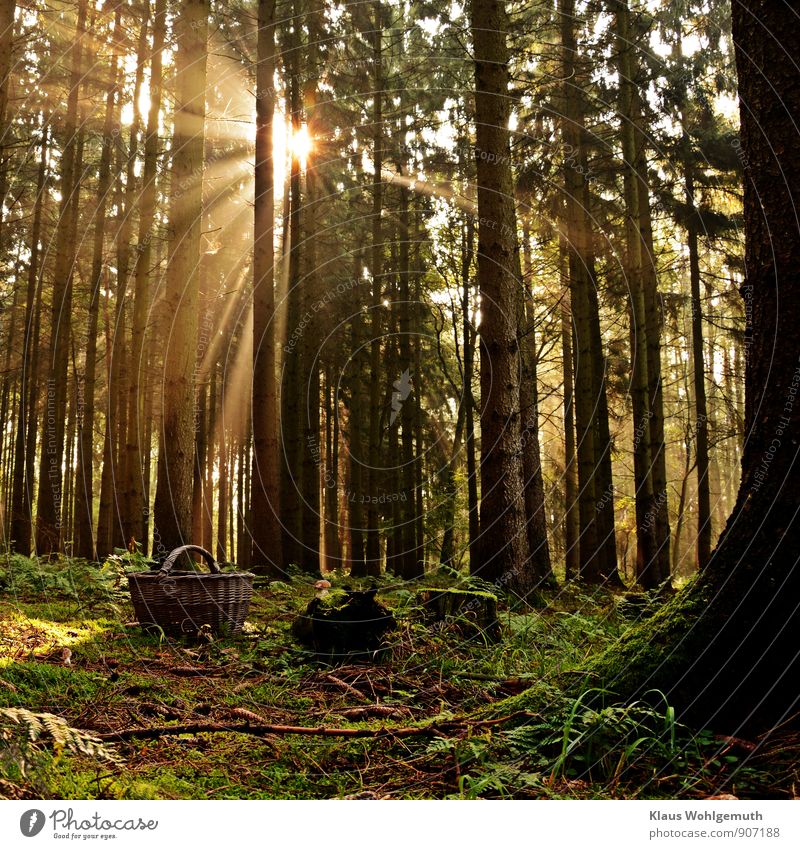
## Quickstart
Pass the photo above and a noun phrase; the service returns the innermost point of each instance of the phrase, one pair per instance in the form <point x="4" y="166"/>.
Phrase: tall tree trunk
<point x="8" y="397"/>
<point x="48" y="529"/>
<point x="355" y="426"/>
<point x="112" y="494"/>
<point x="535" y="514"/>
<point x="374" y="476"/>
<point x="419" y="436"/>
<point x="266" y="533"/>
<point x="333" y="548"/>
<point x="84" y="490"/>
<point x="310" y="425"/>
<point x="222" y="488"/>
<point x="699" y="385"/>
<point x="173" y="505"/>
<point x="207" y="469"/>
<point x="725" y="649"/>
<point x="23" y="461"/>
<point x="411" y="565"/>
<point x="134" y="484"/>
<point x="291" y="391"/>
<point x="578" y="237"/>
<point x="571" y="518"/>
<point x="147" y="450"/>
<point x="7" y="9"/>
<point x="503" y="555"/>
<point x="653" y="319"/>
<point x="69" y="460"/>
<point x="468" y="336"/>
<point x="647" y="571"/>
<point x="199" y="463"/>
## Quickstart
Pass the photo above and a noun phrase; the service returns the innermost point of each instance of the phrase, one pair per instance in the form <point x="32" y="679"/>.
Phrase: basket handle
<point x="185" y="549"/>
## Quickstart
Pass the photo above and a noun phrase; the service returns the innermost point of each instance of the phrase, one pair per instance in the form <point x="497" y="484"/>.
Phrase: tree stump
<point x="473" y="612"/>
<point x="343" y="624"/>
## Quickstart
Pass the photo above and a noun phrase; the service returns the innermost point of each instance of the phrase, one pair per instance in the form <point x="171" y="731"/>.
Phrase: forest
<point x="457" y="340"/>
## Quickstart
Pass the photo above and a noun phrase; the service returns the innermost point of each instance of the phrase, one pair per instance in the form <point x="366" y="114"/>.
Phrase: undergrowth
<point x="516" y="719"/>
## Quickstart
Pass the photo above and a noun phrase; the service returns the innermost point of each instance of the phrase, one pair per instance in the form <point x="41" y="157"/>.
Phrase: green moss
<point x="655" y="653"/>
<point x="457" y="592"/>
<point x="333" y="599"/>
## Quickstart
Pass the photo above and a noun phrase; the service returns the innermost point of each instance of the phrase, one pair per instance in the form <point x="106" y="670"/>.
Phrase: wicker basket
<point x="185" y="602"/>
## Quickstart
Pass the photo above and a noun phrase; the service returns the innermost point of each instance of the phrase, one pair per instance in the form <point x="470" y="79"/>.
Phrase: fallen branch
<point x="318" y="731"/>
<point x="263" y="731"/>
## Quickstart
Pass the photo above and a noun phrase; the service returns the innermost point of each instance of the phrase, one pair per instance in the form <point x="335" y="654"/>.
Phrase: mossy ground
<point x="551" y="743"/>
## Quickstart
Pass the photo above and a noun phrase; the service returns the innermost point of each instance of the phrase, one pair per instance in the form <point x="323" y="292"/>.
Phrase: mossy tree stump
<point x="343" y="624"/>
<point x="474" y="612"/>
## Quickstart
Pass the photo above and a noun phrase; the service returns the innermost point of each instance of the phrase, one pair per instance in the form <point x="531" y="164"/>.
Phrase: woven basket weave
<point x="182" y="602"/>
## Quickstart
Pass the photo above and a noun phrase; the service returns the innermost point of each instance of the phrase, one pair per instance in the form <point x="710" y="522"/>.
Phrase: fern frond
<point x="62" y="736"/>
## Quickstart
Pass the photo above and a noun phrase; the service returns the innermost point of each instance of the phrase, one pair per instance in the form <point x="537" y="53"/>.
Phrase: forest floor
<point x="441" y="716"/>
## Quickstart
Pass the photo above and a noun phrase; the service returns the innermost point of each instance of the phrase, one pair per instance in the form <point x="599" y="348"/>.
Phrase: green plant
<point x="31" y="742"/>
<point x="68" y="578"/>
<point x="123" y="561"/>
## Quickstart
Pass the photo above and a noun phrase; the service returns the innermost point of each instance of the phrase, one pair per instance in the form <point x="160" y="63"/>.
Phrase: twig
<point x="318" y="731"/>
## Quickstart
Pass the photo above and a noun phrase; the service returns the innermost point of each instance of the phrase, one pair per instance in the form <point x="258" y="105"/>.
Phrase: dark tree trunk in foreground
<point x="502" y="547"/>
<point x="725" y="649"/>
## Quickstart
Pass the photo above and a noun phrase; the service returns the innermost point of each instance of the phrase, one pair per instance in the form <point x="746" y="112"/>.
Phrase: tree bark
<point x="647" y="571"/>
<point x="725" y="649"/>
<point x="134" y="484"/>
<point x="571" y="519"/>
<point x="699" y="385"/>
<point x="374" y="470"/>
<point x="333" y="549"/>
<point x="578" y="237"/>
<point x="112" y="493"/>
<point x="310" y="430"/>
<point x="503" y="553"/>
<point x="355" y="426"/>
<point x="7" y="10"/>
<point x="291" y="424"/>
<point x="84" y="488"/>
<point x="533" y="481"/>
<point x="653" y="319"/>
<point x="266" y="533"/>
<point x="173" y="504"/>
<point x="48" y="526"/>
<point x="21" y="524"/>
<point x="467" y="334"/>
